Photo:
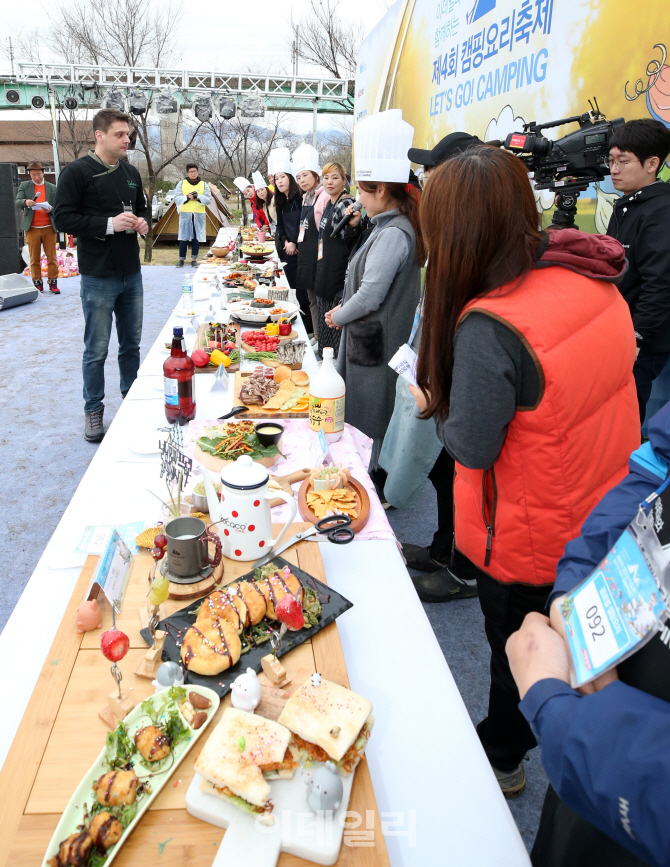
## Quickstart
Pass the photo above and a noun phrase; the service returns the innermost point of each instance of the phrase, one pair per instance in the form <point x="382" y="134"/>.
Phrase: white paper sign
<point x="113" y="571"/>
<point x="404" y="363"/>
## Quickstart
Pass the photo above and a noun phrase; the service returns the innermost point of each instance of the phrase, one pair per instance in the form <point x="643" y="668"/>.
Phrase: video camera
<point x="568" y="165"/>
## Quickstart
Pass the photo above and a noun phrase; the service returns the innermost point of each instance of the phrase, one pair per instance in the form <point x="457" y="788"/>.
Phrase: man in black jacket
<point x="641" y="221"/>
<point x="100" y="200"/>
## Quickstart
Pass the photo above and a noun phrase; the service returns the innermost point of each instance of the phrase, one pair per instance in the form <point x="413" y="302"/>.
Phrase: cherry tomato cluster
<point x="260" y="340"/>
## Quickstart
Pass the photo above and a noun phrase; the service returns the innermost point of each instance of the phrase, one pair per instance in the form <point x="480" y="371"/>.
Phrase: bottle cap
<point x="327" y="352"/>
<point x="178" y="331"/>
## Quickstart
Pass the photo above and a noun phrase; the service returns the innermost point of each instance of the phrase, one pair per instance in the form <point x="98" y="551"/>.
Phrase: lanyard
<point x="326" y="214"/>
<point x="370" y="237"/>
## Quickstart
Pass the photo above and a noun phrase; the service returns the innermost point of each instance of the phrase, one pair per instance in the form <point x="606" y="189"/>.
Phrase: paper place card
<point x="404" y="363"/>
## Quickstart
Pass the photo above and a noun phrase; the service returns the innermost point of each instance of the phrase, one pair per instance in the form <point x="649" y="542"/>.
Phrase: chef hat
<point x="242" y="184"/>
<point x="279" y="160"/>
<point x="305" y="159"/>
<point x="259" y="180"/>
<point x="381" y="142"/>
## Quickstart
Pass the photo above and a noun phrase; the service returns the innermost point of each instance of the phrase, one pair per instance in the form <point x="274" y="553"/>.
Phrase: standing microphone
<point x="345" y="219"/>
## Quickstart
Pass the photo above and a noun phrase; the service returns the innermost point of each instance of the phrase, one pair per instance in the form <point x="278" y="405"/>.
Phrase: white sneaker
<point x="313" y="342"/>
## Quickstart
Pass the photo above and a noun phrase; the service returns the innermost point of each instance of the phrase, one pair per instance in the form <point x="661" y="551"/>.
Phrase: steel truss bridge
<point x="33" y="84"/>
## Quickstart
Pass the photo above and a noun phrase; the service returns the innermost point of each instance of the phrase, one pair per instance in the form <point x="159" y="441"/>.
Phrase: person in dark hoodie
<point x="641" y="222"/>
<point x="517" y="368"/>
<point x="605" y="748"/>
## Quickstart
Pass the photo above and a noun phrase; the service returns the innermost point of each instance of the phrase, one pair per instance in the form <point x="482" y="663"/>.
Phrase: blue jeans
<point x="100" y="298"/>
<point x="195" y="248"/>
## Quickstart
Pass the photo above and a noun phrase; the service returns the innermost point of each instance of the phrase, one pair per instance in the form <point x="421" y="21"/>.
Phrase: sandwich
<point x="328" y="723"/>
<point x="242" y="753"/>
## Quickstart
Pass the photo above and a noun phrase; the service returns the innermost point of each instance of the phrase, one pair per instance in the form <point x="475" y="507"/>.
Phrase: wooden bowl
<point x="220" y="252"/>
<point x="362" y="504"/>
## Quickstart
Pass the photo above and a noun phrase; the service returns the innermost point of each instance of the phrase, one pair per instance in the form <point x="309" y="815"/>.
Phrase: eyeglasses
<point x="620" y="164"/>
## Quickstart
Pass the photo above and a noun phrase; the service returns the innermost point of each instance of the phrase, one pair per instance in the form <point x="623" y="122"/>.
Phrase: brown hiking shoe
<point x="93" y="429"/>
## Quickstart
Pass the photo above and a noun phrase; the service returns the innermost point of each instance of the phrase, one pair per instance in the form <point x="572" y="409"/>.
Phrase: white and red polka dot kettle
<point x="245" y="527"/>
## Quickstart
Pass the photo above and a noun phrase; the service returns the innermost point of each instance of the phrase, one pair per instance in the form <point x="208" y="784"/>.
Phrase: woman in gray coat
<point x="382" y="290"/>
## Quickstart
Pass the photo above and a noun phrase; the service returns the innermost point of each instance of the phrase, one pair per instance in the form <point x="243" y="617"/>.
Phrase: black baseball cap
<point x="449" y="146"/>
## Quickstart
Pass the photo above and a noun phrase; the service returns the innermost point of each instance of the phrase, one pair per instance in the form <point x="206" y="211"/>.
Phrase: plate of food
<point x="331" y="490"/>
<point x="222" y="443"/>
<point x="257" y="250"/>
<point x="274" y="310"/>
<point x="275" y="390"/>
<point x="219" y="637"/>
<point x="255" y="771"/>
<point x="137" y="760"/>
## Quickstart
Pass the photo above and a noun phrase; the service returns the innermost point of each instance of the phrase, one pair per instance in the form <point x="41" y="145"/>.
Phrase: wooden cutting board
<point x="258" y="411"/>
<point x="201" y="343"/>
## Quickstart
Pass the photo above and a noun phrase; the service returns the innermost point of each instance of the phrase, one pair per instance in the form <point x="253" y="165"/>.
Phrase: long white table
<point x="437" y="796"/>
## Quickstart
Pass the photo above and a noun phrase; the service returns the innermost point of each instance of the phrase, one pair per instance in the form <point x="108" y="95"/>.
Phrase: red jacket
<point x="259" y="214"/>
<point x="563" y="454"/>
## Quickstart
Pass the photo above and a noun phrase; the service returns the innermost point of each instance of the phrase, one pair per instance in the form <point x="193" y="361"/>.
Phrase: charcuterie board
<point x="258" y="411"/>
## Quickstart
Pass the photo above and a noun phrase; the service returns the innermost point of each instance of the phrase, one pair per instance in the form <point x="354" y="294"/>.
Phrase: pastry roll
<point x="211" y="646"/>
<point x="253" y="598"/>
<point x="227" y="607"/>
<point x="276" y="586"/>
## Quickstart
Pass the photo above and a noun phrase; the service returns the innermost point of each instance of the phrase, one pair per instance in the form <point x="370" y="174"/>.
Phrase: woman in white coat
<point x="191" y="196"/>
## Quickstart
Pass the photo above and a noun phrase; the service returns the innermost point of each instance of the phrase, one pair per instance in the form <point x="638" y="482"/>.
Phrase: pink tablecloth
<point x="352" y="451"/>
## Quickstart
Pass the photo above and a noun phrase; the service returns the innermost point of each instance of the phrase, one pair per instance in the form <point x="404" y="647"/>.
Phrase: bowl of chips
<point x="351" y="500"/>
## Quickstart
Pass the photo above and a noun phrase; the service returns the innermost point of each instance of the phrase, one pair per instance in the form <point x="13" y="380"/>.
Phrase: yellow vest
<point x="191" y="206"/>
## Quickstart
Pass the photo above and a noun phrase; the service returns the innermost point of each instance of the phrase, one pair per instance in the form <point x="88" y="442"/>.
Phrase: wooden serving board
<point x="257" y="411"/>
<point x="248" y="348"/>
<point x="362" y="504"/>
<point x="60" y="736"/>
<point x="201" y="343"/>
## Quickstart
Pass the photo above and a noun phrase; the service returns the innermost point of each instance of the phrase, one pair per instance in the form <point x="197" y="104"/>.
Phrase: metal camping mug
<point x="187" y="552"/>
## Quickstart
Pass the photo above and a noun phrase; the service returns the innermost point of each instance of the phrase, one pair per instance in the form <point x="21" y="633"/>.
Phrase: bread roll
<point x="300" y="377"/>
<point x="211" y="646"/>
<point x="227" y="607"/>
<point x="276" y="587"/>
<point x="282" y="372"/>
<point x="253" y="598"/>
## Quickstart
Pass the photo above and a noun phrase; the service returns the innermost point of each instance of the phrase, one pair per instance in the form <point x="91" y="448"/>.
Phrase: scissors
<point x="335" y="527"/>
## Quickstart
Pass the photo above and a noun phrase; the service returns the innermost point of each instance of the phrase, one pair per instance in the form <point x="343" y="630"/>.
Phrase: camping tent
<point x="217" y="215"/>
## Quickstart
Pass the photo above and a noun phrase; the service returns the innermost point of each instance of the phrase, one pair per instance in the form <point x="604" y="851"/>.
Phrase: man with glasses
<point x="641" y="221"/>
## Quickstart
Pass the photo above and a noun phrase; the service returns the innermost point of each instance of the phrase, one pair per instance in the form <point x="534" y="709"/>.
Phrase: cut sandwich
<point x="242" y="753"/>
<point x="328" y="723"/>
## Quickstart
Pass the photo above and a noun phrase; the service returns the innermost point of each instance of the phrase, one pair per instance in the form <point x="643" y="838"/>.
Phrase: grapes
<point x="160" y="541"/>
<point x="158" y="553"/>
<point x="160" y="590"/>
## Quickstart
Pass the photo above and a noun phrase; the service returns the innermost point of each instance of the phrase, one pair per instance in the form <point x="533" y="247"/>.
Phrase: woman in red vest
<point x="526" y="364"/>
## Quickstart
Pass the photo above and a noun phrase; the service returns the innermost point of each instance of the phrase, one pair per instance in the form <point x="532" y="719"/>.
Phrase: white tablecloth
<point x="436" y="793"/>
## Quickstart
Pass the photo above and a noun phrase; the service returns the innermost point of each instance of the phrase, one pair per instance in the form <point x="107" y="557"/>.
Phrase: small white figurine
<point x="324" y="788"/>
<point x="246" y="691"/>
<point x="169" y="674"/>
<point x="316" y="679"/>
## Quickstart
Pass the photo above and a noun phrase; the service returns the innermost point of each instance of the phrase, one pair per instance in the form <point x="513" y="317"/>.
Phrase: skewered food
<point x="276" y="586"/>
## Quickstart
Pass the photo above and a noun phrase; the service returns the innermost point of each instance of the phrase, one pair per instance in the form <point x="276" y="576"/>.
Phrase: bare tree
<point x="321" y="38"/>
<point x="232" y="148"/>
<point x="126" y="33"/>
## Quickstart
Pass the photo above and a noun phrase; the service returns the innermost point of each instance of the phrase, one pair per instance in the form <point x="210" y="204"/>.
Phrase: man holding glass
<point x="641" y="222"/>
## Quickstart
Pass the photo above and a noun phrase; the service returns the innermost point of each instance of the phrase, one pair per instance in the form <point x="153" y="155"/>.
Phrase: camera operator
<point x="641" y="222"/>
<point x="606" y="747"/>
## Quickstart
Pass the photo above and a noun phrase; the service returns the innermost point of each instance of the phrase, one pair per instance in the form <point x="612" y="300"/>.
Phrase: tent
<point x="217" y="216"/>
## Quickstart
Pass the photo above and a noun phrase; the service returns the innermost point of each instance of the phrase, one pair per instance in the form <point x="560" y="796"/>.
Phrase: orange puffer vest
<point x="563" y="454"/>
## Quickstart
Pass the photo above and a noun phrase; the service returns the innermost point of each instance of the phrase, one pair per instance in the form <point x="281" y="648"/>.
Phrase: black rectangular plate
<point x="221" y="683"/>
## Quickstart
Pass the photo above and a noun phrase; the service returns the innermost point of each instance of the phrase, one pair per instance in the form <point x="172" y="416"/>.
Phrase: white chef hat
<point x="242" y="184"/>
<point x="259" y="180"/>
<point x="381" y="142"/>
<point x="279" y="160"/>
<point x="305" y="159"/>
